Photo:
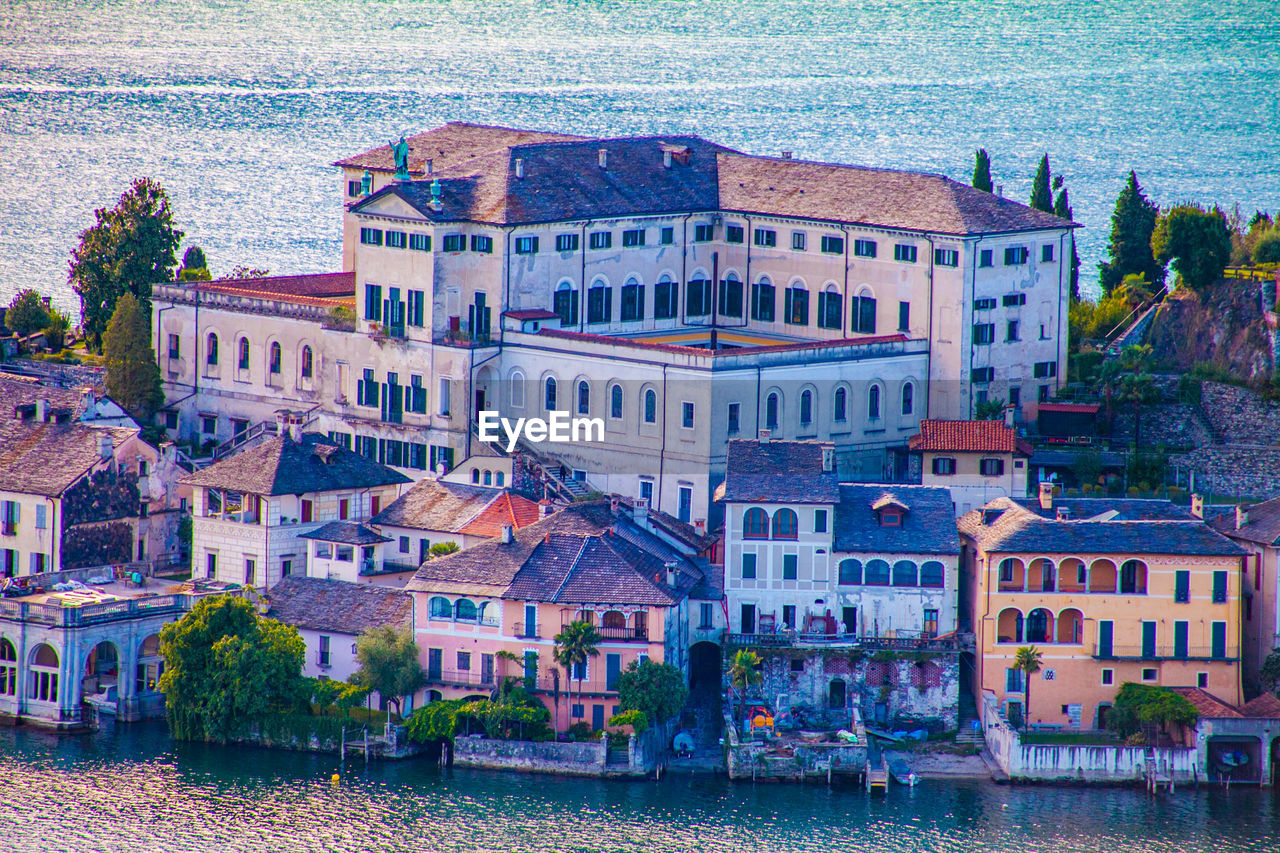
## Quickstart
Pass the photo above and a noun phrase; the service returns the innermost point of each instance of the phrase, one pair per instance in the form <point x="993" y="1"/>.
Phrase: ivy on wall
<point x="97" y="545"/>
<point x="103" y="496"/>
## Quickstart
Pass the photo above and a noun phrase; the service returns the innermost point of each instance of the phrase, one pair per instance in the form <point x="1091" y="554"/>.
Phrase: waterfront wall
<point x="793" y="761"/>
<point x="641" y="756"/>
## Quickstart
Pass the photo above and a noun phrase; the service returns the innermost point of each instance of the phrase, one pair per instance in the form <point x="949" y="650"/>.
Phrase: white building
<point x="682" y="292"/>
<point x="345" y="551"/>
<point x="978" y="461"/>
<point x="251" y="509"/>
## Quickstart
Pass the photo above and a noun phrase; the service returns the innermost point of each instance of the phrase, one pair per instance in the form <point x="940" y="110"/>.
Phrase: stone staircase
<point x="970" y="731"/>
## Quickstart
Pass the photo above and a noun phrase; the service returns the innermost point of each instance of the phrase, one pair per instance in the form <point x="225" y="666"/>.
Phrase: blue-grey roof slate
<point x="928" y="526"/>
<point x="778" y="472"/>
<point x="346" y="532"/>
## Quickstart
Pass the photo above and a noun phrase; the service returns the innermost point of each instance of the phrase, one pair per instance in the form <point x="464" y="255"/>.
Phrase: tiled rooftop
<point x="968" y="437"/>
<point x="928" y="525"/>
<point x="48" y="458"/>
<point x="778" y="472"/>
<point x="320" y="604"/>
<point x="282" y="466"/>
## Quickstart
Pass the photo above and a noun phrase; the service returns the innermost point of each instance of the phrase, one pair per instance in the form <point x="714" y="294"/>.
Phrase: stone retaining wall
<point x="1243" y="472"/>
<point x="1239" y="415"/>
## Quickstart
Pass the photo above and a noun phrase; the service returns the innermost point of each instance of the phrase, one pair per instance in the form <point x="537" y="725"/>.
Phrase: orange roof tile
<point x="505" y="509"/>
<point x="969" y="436"/>
<point x="1206" y="704"/>
<point x="1266" y="706"/>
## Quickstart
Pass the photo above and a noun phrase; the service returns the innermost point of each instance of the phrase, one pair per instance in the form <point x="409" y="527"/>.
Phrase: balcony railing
<point x="786" y="639"/>
<point x="1166" y="652"/>
<point x="463" y="677"/>
<point x="92" y="614"/>
<point x="528" y="632"/>
<point x="628" y="634"/>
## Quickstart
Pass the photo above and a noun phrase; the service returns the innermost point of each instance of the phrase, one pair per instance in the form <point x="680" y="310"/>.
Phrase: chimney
<point x="1046" y="495"/>
<point x="828" y="460"/>
<point x="544" y="508"/>
<point x="519" y="167"/>
<point x="763" y="435"/>
<point x="700" y="525"/>
<point x="673" y="574"/>
<point x="1242" y="515"/>
<point x="90" y="405"/>
<point x="282" y="424"/>
<point x="106" y="447"/>
<point x="427" y="166"/>
<point x="666" y="159"/>
<point x="1008" y="415"/>
<point x="1000" y="190"/>
<point x="786" y="155"/>
<point x="1197" y="505"/>
<point x="507" y="533"/>
<point x="640" y="511"/>
<point x="42" y="411"/>
<point x="604" y="158"/>
<point x="1064" y="513"/>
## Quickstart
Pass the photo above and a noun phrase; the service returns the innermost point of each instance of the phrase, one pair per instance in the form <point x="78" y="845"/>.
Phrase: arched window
<point x="584" y="397"/>
<point x="1133" y="577"/>
<point x="308" y="363"/>
<point x="488" y="478"/>
<point x="1040" y="626"/>
<point x="786" y="524"/>
<point x="441" y="608"/>
<point x="517" y="389"/>
<point x="599" y="302"/>
<point x="932" y="573"/>
<point x="862" y="310"/>
<point x="465" y="610"/>
<point x="1009" y="626"/>
<point x="587" y="616"/>
<point x="771" y="411"/>
<point x="550" y="393"/>
<point x="755" y="524"/>
<point x="8" y="668"/>
<point x="244" y="353"/>
<point x="904" y="573"/>
<point x="797" y="305"/>
<point x="632" y="301"/>
<point x="908" y="398"/>
<point x="211" y="352"/>
<point x="806" y="407"/>
<point x="273" y="364"/>
<point x="500" y="478"/>
<point x="615" y="401"/>
<point x="650" y="406"/>
<point x="475" y="476"/>
<point x="850" y="572"/>
<point x="565" y="303"/>
<point x="839" y="409"/>
<point x="1070" y="626"/>
<point x="614" y="619"/>
<point x="877" y="573"/>
<point x="42" y="675"/>
<point x="873" y="402"/>
<point x="762" y="300"/>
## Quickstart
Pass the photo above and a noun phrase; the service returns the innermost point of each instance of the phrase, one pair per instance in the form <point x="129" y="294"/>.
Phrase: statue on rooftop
<point x="400" y="151"/>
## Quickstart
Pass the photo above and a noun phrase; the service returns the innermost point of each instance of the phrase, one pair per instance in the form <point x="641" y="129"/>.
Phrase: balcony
<point x="628" y="634"/>
<point x="796" y="639"/>
<point x="528" y="632"/>
<point x="1166" y="652"/>
<point x="463" y="677"/>
<point x="9" y="528"/>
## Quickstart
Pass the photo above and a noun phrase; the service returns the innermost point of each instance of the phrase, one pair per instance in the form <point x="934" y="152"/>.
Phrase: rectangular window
<point x="1219" y="587"/>
<point x="734" y="413"/>
<point x="208" y="425"/>
<point x="666" y="236"/>
<point x="766" y="237"/>
<point x="481" y="244"/>
<point x="371" y="236"/>
<point x="946" y="257"/>
<point x="984" y="304"/>
<point x="790" y="564"/>
<point x="832" y="245"/>
<point x="526" y="245"/>
<point x="944" y="466"/>
<point x="397" y="239"/>
<point x="601" y="240"/>
<point x="1013" y="300"/>
<point x="1108" y="676"/>
<point x="1045" y="369"/>
<point x="686" y="415"/>
<point x="367" y="389"/>
<point x="982" y="374"/>
<point x="1149" y="674"/>
<point x="684" y="504"/>
<point x="416" y="395"/>
<point x="1180" y="640"/>
<point x="175" y="350"/>
<point x="819" y="521"/>
<point x="1218" y="639"/>
<point x="353" y="188"/>
<point x="991" y="467"/>
<point x="373" y="302"/>
<point x="984" y="333"/>
<point x="1015" y="399"/>
<point x="420" y="242"/>
<point x="442" y="398"/>
<point x="797" y="241"/>
<point x="864" y="248"/>
<point x="416" y="314"/>
<point x="748" y="565"/>
<point x="1015" y="256"/>
<point x="464" y="661"/>
<point x="1182" y="585"/>
<point x="905" y="253"/>
<point x="666" y="300"/>
<point x="633" y="238"/>
<point x="733" y="234"/>
<point x="1046" y="253"/>
<point x="566" y="242"/>
<point x="985" y="258"/>
<point x="42" y="512"/>
<point x="904" y="316"/>
<point x="1011" y="330"/>
<point x="1202" y="680"/>
<point x="706" y="615"/>
<point x="324" y="650"/>
<point x="704" y="233"/>
<point x="1148" y="639"/>
<point x="1013" y="681"/>
<point x="789" y="618"/>
<point x="455" y="242"/>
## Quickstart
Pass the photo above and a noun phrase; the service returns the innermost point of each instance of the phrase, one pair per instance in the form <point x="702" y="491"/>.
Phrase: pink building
<point x="608" y="564"/>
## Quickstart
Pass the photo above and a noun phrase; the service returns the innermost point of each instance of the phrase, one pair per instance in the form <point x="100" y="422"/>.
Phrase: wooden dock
<point x="877" y="777"/>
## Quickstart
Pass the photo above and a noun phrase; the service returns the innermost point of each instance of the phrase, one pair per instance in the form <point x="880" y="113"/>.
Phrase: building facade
<point x="1256" y="529"/>
<point x="977" y="461"/>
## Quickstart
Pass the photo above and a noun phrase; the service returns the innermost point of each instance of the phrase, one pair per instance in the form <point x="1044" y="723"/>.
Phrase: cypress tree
<point x="1041" y="195"/>
<point x="1130" y="251"/>
<point x="982" y="171"/>
<point x="133" y="377"/>
<point x="1062" y="209"/>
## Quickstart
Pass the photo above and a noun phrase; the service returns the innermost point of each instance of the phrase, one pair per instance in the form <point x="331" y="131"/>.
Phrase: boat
<point x="901" y="772"/>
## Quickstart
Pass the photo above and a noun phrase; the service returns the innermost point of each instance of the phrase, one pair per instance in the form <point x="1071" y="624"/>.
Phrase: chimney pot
<point x="427" y="165"/>
<point x="507" y="534"/>
<point x="786" y="155"/>
<point x="1197" y="505"/>
<point x="640" y="511"/>
<point x="828" y="460"/>
<point x="1242" y="515"/>
<point x="1008" y="415"/>
<point x="42" y="410"/>
<point x="1046" y="495"/>
<point x="604" y="158"/>
<point x="106" y="447"/>
<point x="764" y="435"/>
<point x="519" y="167"/>
<point x="666" y="159"/>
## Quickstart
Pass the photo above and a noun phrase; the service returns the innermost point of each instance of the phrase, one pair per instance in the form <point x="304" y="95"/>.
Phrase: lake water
<point x="133" y="789"/>
<point x="238" y="108"/>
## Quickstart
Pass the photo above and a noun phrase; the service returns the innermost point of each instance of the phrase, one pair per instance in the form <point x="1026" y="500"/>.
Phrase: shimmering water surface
<point x="238" y="108"/>
<point x="135" y="790"/>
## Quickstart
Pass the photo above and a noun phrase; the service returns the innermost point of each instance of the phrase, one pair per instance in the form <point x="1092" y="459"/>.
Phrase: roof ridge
<point x="582" y="548"/>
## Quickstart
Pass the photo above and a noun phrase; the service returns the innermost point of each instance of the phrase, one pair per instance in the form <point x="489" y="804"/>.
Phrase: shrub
<point x="638" y="720"/>
<point x="580" y="730"/>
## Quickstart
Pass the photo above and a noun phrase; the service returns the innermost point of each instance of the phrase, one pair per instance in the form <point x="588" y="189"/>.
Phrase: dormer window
<point x="890" y="518"/>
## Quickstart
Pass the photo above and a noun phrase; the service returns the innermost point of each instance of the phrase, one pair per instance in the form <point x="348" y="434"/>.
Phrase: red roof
<point x="531" y="314"/>
<point x="505" y="509"/>
<point x="1206" y="704"/>
<point x="1265" y="706"/>
<point x="329" y="285"/>
<point x="1086" y="408"/>
<point x="969" y="436"/>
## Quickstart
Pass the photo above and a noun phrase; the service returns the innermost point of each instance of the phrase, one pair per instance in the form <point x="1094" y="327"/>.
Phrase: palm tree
<point x="744" y="671"/>
<point x="575" y="644"/>
<point x="1027" y="661"/>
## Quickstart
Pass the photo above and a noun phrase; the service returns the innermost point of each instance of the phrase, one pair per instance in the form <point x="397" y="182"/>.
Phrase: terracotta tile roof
<point x="451" y="145"/>
<point x="281" y="466"/>
<point x="320" y="604"/>
<point x="1266" y="706"/>
<point x="531" y="314"/>
<point x="329" y="285"/>
<point x="1206" y="704"/>
<point x="49" y="458"/>
<point x="968" y="437"/>
<point x="506" y="508"/>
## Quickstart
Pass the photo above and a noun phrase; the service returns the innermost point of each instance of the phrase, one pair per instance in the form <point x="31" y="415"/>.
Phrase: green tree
<point x="1041" y="195"/>
<point x="1147" y="708"/>
<point x="989" y="410"/>
<point x="1129" y="251"/>
<point x="1266" y="249"/>
<point x="744" y="671"/>
<point x="575" y="644"/>
<point x="437" y="721"/>
<point x="443" y="549"/>
<point x="227" y="668"/>
<point x="1269" y="672"/>
<point x="27" y="313"/>
<point x="1137" y="387"/>
<point x="130" y="248"/>
<point x="389" y="663"/>
<point x="1196" y="241"/>
<point x="133" y="378"/>
<point x="1027" y="661"/>
<point x="1062" y="209"/>
<point x="982" y="170"/>
<point x="655" y="689"/>
<point x="193" y="259"/>
<point x="55" y="332"/>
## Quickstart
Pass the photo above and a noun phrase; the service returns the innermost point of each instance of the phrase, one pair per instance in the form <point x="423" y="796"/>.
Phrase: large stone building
<point x="1256" y="529"/>
<point x="681" y="292"/>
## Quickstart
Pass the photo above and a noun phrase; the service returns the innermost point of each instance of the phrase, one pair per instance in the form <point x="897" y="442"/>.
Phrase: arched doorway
<point x="150" y="666"/>
<point x="704" y="667"/>
<point x="102" y="669"/>
<point x="42" y="674"/>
